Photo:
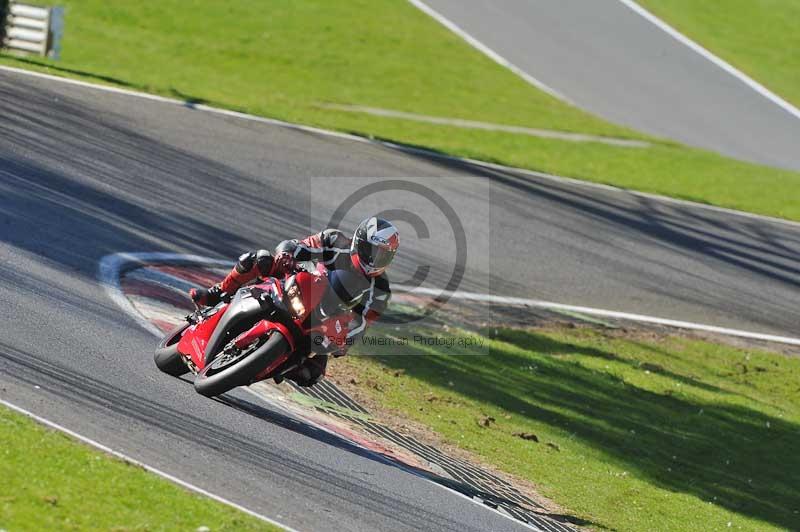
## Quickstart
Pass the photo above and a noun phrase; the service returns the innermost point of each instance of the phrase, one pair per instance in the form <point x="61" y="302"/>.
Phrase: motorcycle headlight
<point x="295" y="303"/>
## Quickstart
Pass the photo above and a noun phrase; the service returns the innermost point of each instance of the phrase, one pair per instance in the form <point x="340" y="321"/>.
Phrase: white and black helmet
<point x="374" y="244"/>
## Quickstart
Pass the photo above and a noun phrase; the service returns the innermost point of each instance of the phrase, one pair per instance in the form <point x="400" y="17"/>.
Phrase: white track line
<point x="487" y="126"/>
<point x="487" y="298"/>
<point x="721" y="63"/>
<point x="405" y="149"/>
<point x="184" y="103"/>
<point x="491" y="54"/>
<point x="112" y="265"/>
<point x="127" y="458"/>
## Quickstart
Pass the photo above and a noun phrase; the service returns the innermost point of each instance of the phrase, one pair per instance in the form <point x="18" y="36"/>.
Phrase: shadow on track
<point x="686" y="253"/>
<point x="94" y="396"/>
<point x="107" y="189"/>
<point x="76" y="185"/>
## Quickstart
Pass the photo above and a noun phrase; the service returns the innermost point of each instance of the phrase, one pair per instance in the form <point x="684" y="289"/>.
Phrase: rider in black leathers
<point x="366" y="255"/>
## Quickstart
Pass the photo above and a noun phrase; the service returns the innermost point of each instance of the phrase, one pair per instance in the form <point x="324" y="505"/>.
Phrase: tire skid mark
<point x="157" y="292"/>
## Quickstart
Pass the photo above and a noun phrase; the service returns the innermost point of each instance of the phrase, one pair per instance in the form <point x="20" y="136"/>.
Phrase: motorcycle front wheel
<point x="226" y="372"/>
<point x="167" y="357"/>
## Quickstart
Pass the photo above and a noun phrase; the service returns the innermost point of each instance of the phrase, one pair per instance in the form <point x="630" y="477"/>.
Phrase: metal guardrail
<point x="31" y="29"/>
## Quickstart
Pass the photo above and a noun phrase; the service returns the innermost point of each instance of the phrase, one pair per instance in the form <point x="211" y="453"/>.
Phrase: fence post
<point x="3" y="14"/>
<point x="56" y="31"/>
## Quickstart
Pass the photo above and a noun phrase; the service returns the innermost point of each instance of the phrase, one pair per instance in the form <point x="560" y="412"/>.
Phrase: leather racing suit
<point x="331" y="247"/>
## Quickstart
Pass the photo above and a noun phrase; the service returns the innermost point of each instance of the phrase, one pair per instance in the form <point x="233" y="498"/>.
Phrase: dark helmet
<point x="374" y="244"/>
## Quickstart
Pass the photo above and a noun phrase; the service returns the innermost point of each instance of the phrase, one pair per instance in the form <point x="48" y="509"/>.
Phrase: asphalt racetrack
<point x="611" y="61"/>
<point x="86" y="173"/>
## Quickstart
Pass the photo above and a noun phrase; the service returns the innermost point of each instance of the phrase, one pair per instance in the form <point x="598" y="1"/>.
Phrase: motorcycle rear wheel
<point x="219" y="377"/>
<point x="167" y="357"/>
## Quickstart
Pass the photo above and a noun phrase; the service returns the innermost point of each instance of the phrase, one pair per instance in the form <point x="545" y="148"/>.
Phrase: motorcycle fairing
<point x="194" y="340"/>
<point x="202" y="341"/>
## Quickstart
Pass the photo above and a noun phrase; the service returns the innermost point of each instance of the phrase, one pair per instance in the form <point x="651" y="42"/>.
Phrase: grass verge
<point x="283" y="59"/>
<point x="51" y="482"/>
<point x="631" y="433"/>
<point x="759" y="37"/>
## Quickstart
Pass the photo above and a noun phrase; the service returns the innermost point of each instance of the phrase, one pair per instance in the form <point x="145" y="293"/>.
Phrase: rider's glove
<point x="206" y="298"/>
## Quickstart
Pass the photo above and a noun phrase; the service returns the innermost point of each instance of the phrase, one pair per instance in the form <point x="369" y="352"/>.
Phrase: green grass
<point x="50" y="482"/>
<point x="282" y="58"/>
<point x="656" y="434"/>
<point x="759" y="37"/>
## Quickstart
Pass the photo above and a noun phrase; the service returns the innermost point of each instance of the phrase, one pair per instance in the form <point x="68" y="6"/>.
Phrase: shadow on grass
<point x="73" y="71"/>
<point x="736" y="457"/>
<point x="188" y="99"/>
<point x="548" y="346"/>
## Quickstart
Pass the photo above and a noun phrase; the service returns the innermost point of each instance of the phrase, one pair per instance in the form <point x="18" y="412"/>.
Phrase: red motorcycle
<point x="265" y="331"/>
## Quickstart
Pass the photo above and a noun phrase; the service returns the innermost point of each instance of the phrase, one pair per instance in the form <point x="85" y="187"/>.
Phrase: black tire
<point x="167" y="357"/>
<point x="214" y="381"/>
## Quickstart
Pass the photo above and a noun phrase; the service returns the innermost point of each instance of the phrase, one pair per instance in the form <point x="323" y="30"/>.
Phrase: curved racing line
<point x="151" y="288"/>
